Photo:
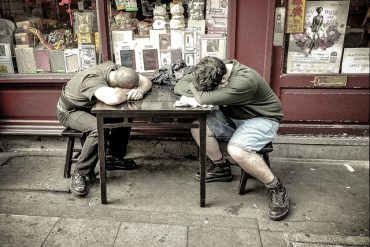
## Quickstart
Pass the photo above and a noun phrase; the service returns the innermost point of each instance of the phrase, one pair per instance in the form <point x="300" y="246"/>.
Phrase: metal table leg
<point x="102" y="171"/>
<point x="202" y="147"/>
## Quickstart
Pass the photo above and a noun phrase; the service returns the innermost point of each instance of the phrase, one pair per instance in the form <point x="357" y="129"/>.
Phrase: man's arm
<point x="111" y="95"/>
<point x="144" y="86"/>
<point x="182" y="86"/>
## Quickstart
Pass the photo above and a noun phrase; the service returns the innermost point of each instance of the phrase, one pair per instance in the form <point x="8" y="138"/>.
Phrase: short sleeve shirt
<point x="81" y="88"/>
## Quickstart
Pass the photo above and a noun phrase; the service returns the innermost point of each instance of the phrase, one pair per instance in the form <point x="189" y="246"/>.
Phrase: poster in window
<point x="87" y="56"/>
<point x="318" y="50"/>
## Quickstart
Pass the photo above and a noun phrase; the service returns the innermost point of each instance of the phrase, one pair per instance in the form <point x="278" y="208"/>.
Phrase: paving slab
<point x="81" y="232"/>
<point x="333" y="198"/>
<point x="151" y="235"/>
<point x="329" y="201"/>
<point x="220" y="237"/>
<point x="33" y="172"/>
<point x="280" y="239"/>
<point x="23" y="230"/>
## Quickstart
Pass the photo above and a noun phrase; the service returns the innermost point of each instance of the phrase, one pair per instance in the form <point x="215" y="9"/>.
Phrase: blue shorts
<point x="249" y="134"/>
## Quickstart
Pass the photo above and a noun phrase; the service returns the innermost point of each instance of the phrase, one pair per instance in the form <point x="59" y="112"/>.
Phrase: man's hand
<point x="134" y="94"/>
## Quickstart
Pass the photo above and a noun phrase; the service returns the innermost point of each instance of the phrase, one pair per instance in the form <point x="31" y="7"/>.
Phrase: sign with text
<point x="356" y="61"/>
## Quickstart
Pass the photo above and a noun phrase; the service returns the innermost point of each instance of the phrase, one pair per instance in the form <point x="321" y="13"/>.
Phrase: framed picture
<point x="164" y="41"/>
<point x="128" y="59"/>
<point x="6" y="68"/>
<point x="213" y="46"/>
<point x="150" y="59"/>
<point x="5" y="53"/>
<point x="72" y="60"/>
<point x="190" y="58"/>
<point x="165" y="58"/>
<point x="190" y="40"/>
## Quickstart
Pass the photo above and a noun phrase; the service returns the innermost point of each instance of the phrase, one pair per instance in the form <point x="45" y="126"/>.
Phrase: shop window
<point x="47" y="36"/>
<point x="148" y="35"/>
<point x="327" y="37"/>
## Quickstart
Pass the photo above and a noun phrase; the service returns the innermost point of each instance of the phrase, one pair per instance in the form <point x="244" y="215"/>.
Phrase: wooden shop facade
<point x="314" y="54"/>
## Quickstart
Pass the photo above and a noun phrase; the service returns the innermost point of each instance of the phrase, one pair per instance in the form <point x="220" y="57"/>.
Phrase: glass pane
<point x="334" y="38"/>
<point x="47" y="36"/>
<point x="160" y="33"/>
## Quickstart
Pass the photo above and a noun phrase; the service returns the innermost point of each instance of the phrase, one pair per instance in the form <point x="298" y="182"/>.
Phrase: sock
<point x="220" y="162"/>
<point x="275" y="183"/>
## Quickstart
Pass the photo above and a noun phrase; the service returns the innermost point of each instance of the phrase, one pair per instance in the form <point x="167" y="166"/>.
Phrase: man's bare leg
<point x="253" y="164"/>
<point x="220" y="170"/>
<point x="212" y="148"/>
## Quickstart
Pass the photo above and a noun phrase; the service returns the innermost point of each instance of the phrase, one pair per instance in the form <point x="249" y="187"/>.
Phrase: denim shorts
<point x="248" y="134"/>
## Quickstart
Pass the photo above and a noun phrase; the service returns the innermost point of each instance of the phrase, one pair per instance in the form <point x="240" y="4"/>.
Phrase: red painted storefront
<point x="27" y="102"/>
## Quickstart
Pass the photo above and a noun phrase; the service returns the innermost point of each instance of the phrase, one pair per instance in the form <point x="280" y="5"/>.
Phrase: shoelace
<point x="277" y="196"/>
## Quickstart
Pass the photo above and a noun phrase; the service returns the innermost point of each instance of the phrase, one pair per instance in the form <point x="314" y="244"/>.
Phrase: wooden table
<point x="155" y="109"/>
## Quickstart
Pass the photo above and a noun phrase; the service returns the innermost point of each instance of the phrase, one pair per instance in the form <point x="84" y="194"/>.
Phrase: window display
<point x="42" y="33"/>
<point x="62" y="36"/>
<point x="333" y="38"/>
<point x="168" y="31"/>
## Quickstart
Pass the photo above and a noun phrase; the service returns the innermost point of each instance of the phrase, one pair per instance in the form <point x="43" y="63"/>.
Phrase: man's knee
<point x="238" y="153"/>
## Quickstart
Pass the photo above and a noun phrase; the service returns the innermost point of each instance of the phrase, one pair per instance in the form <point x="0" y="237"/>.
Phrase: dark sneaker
<point x="279" y="202"/>
<point x="125" y="164"/>
<point x="217" y="173"/>
<point x="78" y="185"/>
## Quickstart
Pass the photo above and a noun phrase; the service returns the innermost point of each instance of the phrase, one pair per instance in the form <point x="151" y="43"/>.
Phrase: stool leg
<point x="68" y="162"/>
<point x="266" y="158"/>
<point x="244" y="176"/>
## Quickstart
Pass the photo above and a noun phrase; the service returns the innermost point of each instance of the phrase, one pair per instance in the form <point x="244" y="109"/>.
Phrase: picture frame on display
<point x="5" y="52"/>
<point x="213" y="46"/>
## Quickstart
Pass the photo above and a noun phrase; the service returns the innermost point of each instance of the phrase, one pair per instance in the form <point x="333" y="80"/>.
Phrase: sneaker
<point x="78" y="185"/>
<point x="217" y="173"/>
<point x="279" y="202"/>
<point x="124" y="164"/>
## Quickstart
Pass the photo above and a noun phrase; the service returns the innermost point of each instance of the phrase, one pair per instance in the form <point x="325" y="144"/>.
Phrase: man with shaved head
<point x="111" y="84"/>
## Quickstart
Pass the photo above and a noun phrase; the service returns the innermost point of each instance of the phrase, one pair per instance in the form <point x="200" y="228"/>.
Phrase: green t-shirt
<point x="246" y="95"/>
<point x="81" y="88"/>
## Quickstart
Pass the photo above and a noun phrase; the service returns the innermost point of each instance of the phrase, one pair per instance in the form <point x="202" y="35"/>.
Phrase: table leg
<point x="102" y="171"/>
<point x="202" y="147"/>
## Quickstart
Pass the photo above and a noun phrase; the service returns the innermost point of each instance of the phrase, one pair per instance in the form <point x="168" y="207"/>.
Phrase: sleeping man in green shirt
<point x="249" y="113"/>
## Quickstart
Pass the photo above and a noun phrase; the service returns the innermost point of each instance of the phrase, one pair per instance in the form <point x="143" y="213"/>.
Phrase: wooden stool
<point x="72" y="151"/>
<point x="244" y="176"/>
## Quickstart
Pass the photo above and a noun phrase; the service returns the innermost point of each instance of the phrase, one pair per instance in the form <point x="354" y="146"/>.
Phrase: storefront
<point x="323" y="87"/>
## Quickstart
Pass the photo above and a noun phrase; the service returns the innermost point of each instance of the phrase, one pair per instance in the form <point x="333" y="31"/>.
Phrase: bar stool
<point x="72" y="151"/>
<point x="244" y="176"/>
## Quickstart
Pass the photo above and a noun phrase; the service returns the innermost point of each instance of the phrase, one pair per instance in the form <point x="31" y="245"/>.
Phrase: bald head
<point x="124" y="78"/>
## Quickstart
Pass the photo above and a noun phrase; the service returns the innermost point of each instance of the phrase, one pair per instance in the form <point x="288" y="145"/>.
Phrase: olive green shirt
<point x="246" y="95"/>
<point x="81" y="88"/>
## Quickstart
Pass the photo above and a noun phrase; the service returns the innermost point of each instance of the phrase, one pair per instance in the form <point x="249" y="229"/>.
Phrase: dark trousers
<point x="117" y="139"/>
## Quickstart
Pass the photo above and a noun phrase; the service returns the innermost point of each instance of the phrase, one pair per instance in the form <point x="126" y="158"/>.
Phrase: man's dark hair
<point x="208" y="73"/>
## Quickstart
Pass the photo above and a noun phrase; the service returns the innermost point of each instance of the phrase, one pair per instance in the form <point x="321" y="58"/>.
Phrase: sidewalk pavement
<point x="158" y="205"/>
